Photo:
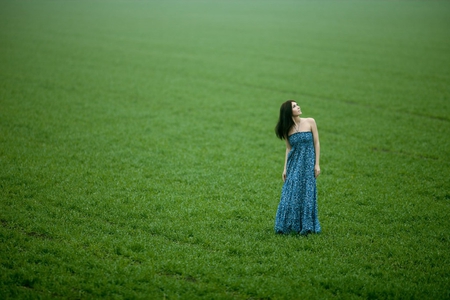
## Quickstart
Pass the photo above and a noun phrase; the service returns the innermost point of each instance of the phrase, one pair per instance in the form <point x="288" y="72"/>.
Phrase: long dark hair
<point x="285" y="121"/>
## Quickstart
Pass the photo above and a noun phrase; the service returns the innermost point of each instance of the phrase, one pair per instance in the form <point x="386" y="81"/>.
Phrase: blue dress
<point x="297" y="211"/>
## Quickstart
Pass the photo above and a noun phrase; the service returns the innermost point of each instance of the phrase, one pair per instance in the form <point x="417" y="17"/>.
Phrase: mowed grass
<point x="138" y="157"/>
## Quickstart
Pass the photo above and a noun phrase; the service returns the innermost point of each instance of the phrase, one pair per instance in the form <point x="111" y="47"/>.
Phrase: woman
<point x="297" y="211"/>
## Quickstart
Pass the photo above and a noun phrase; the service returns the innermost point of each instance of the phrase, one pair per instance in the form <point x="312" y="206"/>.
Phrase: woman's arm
<point x="315" y="133"/>
<point x="288" y="149"/>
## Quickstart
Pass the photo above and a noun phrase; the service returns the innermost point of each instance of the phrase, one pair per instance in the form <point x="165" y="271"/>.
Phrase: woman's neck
<point x="297" y="119"/>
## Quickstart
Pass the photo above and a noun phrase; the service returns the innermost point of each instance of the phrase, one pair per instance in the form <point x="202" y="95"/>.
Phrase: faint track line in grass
<point x="445" y="119"/>
<point x="309" y="95"/>
<point x="350" y="102"/>
<point x="44" y="236"/>
<point x="403" y="153"/>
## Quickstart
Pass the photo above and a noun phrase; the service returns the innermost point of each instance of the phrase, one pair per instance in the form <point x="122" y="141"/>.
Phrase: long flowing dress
<point x="297" y="210"/>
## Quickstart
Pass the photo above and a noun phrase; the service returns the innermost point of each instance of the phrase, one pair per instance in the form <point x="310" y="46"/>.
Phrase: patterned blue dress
<point x="297" y="211"/>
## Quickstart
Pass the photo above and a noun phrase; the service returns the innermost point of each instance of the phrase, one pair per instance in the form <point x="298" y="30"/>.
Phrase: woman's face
<point x="296" y="110"/>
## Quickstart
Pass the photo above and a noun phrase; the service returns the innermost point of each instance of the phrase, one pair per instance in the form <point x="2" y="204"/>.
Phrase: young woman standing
<point x="297" y="210"/>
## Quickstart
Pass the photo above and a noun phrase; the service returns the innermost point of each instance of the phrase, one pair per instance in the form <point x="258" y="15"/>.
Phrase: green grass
<point x="138" y="157"/>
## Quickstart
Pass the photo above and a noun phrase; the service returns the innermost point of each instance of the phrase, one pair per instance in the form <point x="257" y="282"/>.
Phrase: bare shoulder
<point x="311" y="121"/>
<point x="312" y="125"/>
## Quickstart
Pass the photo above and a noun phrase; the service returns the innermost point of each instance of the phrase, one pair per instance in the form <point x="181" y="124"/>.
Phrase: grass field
<point x="138" y="158"/>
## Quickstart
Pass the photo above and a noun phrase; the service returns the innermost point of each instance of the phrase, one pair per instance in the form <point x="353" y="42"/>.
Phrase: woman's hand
<point x="316" y="171"/>
<point x="284" y="175"/>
